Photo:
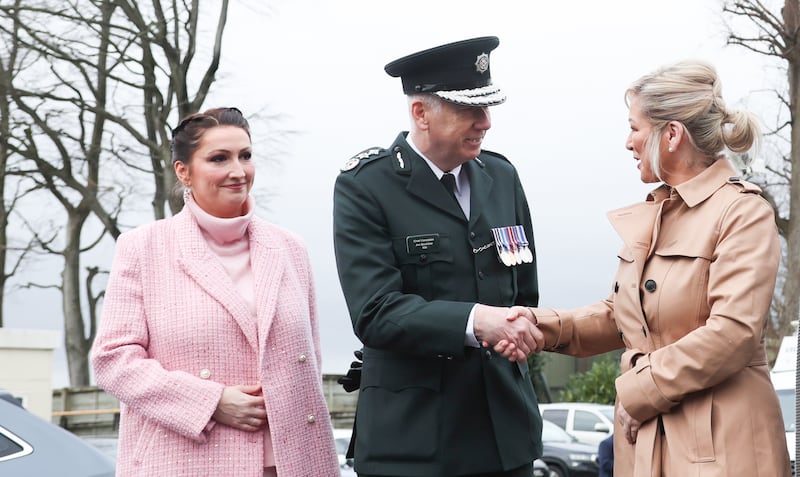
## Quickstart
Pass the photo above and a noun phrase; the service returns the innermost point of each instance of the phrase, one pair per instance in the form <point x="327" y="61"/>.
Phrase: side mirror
<point x="600" y="427"/>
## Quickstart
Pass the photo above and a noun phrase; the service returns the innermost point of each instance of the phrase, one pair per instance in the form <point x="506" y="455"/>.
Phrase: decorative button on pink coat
<point x="174" y="332"/>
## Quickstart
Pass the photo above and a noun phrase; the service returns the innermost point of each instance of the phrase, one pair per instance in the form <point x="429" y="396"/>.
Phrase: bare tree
<point x="168" y="44"/>
<point x="772" y="30"/>
<point x="12" y="60"/>
<point x="109" y="76"/>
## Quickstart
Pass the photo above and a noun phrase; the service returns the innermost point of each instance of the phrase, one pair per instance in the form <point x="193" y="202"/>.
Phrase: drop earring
<point x="187" y="192"/>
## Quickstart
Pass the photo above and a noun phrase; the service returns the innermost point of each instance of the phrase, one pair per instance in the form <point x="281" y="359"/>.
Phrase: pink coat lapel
<point x="268" y="265"/>
<point x="206" y="269"/>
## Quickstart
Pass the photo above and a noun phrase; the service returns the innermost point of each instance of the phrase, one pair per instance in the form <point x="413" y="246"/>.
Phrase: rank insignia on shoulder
<point x="353" y="162"/>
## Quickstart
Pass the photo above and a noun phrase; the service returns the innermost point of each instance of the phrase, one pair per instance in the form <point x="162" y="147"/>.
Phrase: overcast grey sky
<point x="563" y="65"/>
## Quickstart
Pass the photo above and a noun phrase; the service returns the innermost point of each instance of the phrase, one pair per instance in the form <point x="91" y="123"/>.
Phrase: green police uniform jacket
<point x="411" y="268"/>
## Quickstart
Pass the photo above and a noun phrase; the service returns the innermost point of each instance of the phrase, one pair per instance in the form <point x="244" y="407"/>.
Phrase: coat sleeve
<point x="121" y="362"/>
<point x="384" y="317"/>
<point x="581" y="332"/>
<point x="741" y="280"/>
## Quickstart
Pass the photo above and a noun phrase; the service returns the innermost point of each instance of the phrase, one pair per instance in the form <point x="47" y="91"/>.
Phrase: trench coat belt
<point x="645" y="450"/>
<point x="646" y="438"/>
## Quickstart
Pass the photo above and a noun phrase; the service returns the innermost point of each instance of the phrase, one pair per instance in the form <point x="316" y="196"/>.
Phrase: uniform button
<point x="472" y="235"/>
<point x="423" y="258"/>
<point x="301" y="358"/>
<point x="311" y="419"/>
<point x="488" y="354"/>
<point x="481" y="274"/>
<point x="650" y="285"/>
<point x="205" y="373"/>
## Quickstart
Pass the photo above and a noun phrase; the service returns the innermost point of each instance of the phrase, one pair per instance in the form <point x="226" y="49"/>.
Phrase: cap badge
<point x="482" y="63"/>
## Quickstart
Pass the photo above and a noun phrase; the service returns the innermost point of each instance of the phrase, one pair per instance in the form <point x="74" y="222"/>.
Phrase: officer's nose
<point x="483" y="118"/>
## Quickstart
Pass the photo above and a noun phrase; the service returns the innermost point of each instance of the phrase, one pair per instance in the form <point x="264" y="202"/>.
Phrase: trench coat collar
<point x="203" y="266"/>
<point x="702" y="186"/>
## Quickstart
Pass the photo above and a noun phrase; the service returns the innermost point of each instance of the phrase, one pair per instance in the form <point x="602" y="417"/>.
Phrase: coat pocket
<point x="399" y="397"/>
<point x="424" y="260"/>
<point x="144" y="440"/>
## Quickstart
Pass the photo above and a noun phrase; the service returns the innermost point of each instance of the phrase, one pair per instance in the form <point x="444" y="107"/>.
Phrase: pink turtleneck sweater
<point x="229" y="241"/>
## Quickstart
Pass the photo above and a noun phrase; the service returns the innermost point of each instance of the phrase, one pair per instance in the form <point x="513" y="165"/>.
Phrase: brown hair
<point x="187" y="134"/>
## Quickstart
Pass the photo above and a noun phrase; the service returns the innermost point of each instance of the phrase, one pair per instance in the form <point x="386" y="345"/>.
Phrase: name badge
<point x="419" y="244"/>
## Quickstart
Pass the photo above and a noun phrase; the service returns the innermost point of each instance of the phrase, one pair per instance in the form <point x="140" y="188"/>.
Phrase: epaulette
<point x="362" y="158"/>
<point x="745" y="186"/>
<point x="492" y="153"/>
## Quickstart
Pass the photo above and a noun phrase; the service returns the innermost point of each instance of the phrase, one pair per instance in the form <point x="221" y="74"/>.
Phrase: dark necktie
<point x="449" y="181"/>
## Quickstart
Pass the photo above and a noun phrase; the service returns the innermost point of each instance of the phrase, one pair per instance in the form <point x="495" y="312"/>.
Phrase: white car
<point x="783" y="379"/>
<point x="341" y="438"/>
<point x="590" y="423"/>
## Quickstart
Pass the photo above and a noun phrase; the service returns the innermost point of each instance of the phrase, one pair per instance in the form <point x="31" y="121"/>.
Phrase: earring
<point x="669" y="149"/>
<point x="187" y="192"/>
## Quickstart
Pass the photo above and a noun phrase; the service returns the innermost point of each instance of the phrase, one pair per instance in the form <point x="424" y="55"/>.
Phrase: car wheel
<point x="557" y="471"/>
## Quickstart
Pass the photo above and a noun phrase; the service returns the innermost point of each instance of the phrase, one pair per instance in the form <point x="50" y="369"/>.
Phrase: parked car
<point x="783" y="379"/>
<point x="341" y="439"/>
<point x="29" y="445"/>
<point x="565" y="456"/>
<point x="540" y="469"/>
<point x="588" y="422"/>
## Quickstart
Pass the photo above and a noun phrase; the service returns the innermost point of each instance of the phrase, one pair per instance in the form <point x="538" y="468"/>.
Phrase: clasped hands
<point x="509" y="336"/>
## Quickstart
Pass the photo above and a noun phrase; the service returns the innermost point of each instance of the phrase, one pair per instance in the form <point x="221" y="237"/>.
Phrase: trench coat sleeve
<point x="585" y="331"/>
<point x="174" y="399"/>
<point x="741" y="280"/>
<point x="384" y="317"/>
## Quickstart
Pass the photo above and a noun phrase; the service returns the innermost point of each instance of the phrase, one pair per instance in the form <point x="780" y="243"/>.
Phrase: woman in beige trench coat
<point x="691" y="296"/>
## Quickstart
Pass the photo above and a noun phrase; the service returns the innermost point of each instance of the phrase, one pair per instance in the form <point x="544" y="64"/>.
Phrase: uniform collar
<point x="439" y="173"/>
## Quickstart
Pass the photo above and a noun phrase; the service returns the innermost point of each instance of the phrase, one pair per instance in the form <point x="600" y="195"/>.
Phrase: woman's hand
<point x="242" y="407"/>
<point x="630" y="426"/>
<point x="509" y="349"/>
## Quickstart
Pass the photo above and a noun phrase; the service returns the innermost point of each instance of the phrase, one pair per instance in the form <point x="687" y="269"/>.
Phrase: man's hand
<point x="242" y="407"/>
<point x="352" y="380"/>
<point x="512" y="338"/>
<point x="507" y="348"/>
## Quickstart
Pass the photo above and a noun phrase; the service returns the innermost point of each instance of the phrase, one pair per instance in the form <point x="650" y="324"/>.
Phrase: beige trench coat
<point x="689" y="304"/>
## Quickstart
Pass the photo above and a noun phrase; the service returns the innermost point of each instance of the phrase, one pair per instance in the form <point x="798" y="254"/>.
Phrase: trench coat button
<point x="481" y="275"/>
<point x="301" y="358"/>
<point x="650" y="285"/>
<point x="311" y="419"/>
<point x="205" y="373"/>
<point x="423" y="257"/>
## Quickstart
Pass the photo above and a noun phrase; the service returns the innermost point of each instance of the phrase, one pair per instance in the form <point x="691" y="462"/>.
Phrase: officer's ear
<point x="419" y="113"/>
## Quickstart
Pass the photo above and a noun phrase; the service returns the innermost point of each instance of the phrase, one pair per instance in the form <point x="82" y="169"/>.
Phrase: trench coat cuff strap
<point x="556" y="330"/>
<point x="639" y="394"/>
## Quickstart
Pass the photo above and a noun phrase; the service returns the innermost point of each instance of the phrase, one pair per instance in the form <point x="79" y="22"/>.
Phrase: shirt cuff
<point x="469" y="335"/>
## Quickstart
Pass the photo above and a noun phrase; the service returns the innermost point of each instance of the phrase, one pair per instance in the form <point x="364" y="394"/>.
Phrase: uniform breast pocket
<point x="424" y="261"/>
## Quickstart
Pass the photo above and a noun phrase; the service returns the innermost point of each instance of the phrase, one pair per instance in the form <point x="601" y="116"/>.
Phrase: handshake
<point x="512" y="332"/>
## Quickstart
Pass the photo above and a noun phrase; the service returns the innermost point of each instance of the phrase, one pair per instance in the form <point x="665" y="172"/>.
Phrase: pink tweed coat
<point x="174" y="332"/>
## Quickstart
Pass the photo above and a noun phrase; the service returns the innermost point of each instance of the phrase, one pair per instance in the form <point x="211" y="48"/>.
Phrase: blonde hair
<point x="690" y="92"/>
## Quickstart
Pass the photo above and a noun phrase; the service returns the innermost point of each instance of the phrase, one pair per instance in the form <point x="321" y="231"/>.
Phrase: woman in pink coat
<point x="691" y="297"/>
<point x="209" y="333"/>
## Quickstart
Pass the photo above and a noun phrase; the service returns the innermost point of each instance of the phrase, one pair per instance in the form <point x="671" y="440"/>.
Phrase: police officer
<point x="433" y="242"/>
